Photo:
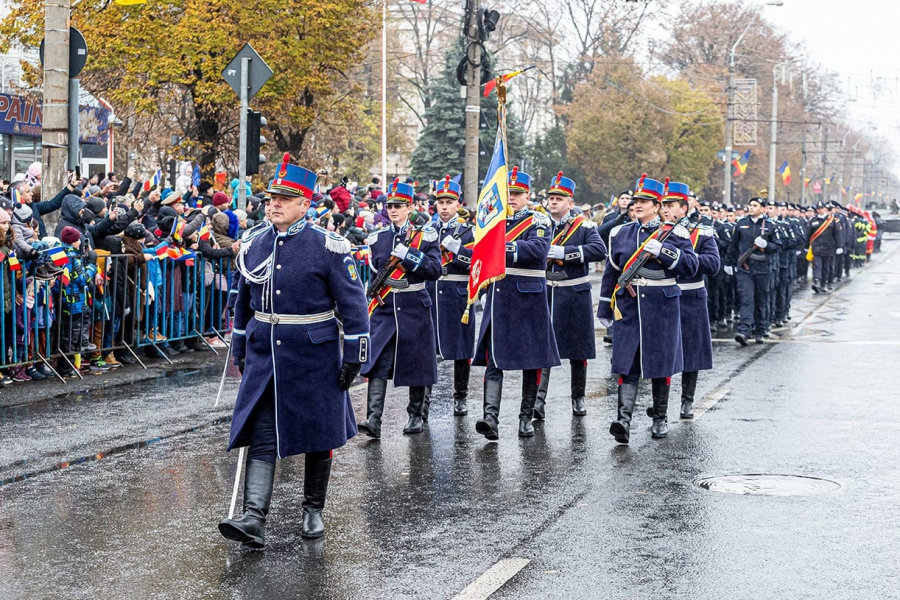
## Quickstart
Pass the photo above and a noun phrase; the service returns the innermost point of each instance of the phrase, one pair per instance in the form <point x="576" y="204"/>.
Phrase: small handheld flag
<point x="785" y="171"/>
<point x="14" y="264"/>
<point x="58" y="256"/>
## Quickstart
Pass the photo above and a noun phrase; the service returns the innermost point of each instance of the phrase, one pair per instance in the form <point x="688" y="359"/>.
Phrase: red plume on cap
<point x="447" y="182"/>
<point x="640" y="184"/>
<point x="284" y="163"/>
<point x="558" y="177"/>
<point x="515" y="173"/>
<point x="666" y="187"/>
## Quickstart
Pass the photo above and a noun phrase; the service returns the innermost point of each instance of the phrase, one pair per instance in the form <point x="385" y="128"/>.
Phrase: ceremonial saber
<point x="237" y="482"/>
<point x="224" y="373"/>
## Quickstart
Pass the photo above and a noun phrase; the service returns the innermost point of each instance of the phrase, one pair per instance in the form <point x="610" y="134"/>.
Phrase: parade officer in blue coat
<point x="696" y="338"/>
<point x="647" y="343"/>
<point x="286" y="341"/>
<point x="404" y="257"/>
<point x="574" y="244"/>
<point x="516" y="333"/>
<point x="449" y="294"/>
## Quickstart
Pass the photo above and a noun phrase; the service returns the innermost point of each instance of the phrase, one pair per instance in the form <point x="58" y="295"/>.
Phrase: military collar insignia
<point x="401" y="229"/>
<point x="566" y="218"/>
<point x="451" y="224"/>
<point x="652" y="224"/>
<point x="296" y="227"/>
<point x="520" y="215"/>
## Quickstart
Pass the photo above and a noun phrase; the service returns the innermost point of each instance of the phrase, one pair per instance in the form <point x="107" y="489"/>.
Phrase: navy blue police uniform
<point x="647" y="343"/>
<point x="515" y="332"/>
<point x="401" y="326"/>
<point x="449" y="299"/>
<point x="576" y="243"/>
<point x="292" y="284"/>
<point x="828" y="238"/>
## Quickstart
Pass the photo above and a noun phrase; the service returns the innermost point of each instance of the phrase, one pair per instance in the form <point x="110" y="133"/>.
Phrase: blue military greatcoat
<point x="571" y="306"/>
<point x="516" y="309"/>
<point x="651" y="320"/>
<point x="286" y="330"/>
<point x="450" y="293"/>
<point x="696" y="338"/>
<point x="406" y="313"/>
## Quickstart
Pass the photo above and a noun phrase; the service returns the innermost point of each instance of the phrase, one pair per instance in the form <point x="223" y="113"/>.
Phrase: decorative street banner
<point x="745" y="118"/>
<point x="21" y="115"/>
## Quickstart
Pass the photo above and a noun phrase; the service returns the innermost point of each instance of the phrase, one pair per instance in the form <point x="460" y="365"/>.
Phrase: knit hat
<point x="24" y="212"/>
<point x="69" y="235"/>
<point x="96" y="205"/>
<point x="4" y="217"/>
<point x="220" y="199"/>
<point x="135" y="230"/>
<point x="94" y="189"/>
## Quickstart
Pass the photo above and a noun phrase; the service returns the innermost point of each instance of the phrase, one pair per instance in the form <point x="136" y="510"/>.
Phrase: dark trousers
<point x="823" y="268"/>
<point x="263" y="436"/>
<point x="714" y="286"/>
<point x="753" y="291"/>
<point x="384" y="364"/>
<point x="633" y="377"/>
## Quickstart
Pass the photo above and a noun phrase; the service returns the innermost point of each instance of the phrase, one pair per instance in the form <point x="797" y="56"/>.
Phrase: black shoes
<point x="415" y="424"/>
<point x="250" y="528"/>
<point x="488" y="425"/>
<point x="741" y="339"/>
<point x="374" y="408"/>
<point x="529" y="396"/>
<point x="660" y="427"/>
<point x="621" y="427"/>
<point x="315" y="488"/>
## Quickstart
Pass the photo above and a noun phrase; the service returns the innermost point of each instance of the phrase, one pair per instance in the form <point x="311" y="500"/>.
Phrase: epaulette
<point x="589" y="224"/>
<point x="681" y="231"/>
<point x="707" y="230"/>
<point x="541" y="219"/>
<point x="334" y="241"/>
<point x="373" y="237"/>
<point x="429" y="233"/>
<point x="254" y="232"/>
<point x="616" y="230"/>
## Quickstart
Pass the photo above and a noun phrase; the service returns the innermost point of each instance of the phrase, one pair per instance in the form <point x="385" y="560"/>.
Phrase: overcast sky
<point x="858" y="39"/>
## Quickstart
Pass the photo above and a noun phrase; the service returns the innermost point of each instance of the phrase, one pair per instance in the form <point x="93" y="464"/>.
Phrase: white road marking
<point x="493" y="579"/>
<point x="708" y="401"/>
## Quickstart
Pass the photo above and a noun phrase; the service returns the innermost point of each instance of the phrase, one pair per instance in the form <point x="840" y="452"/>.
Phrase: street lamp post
<point x="729" y="119"/>
<point x="773" y="147"/>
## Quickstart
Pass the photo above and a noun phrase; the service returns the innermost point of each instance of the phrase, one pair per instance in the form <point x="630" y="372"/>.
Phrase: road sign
<point x="77" y="52"/>
<point x="817" y="188"/>
<point x="259" y="72"/>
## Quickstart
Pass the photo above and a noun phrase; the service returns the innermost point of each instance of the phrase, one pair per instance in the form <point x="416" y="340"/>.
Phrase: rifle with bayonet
<point x="629" y="274"/>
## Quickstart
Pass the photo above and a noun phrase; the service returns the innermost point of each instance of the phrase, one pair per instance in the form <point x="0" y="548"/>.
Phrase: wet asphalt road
<point x="426" y="516"/>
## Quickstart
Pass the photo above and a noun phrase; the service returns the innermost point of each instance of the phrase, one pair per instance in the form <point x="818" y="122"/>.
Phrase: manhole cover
<point x="768" y="485"/>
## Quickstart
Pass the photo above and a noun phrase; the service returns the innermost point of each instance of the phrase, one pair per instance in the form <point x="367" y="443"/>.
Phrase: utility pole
<point x="729" y="134"/>
<point x="803" y="168"/>
<point x="773" y="148"/>
<point x="54" y="139"/>
<point x="825" y="166"/>
<point x="473" y="102"/>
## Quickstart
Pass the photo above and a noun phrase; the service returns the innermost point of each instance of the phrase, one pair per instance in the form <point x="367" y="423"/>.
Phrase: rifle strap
<point x="563" y="236"/>
<point x="612" y="303"/>
<point x="399" y="272"/>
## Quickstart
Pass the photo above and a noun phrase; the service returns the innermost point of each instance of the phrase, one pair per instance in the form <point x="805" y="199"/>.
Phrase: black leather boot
<point x="816" y="286"/>
<point x="660" y="427"/>
<point x="579" y="383"/>
<point x="250" y="528"/>
<point x="621" y="427"/>
<point x="540" y="400"/>
<point x="488" y="425"/>
<point x="414" y="410"/>
<point x="315" y="488"/>
<point x="529" y="395"/>
<point x="374" y="408"/>
<point x="688" y="387"/>
<point x="461" y="370"/>
<point x="427" y="404"/>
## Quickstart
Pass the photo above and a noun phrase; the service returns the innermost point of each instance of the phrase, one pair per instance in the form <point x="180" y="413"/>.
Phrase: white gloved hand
<point x="451" y="243"/>
<point x="400" y="251"/>
<point x="839" y="251"/>
<point x="557" y="252"/>
<point x="607" y="323"/>
<point x="729" y="270"/>
<point x="760" y="242"/>
<point x="654" y="247"/>
<point x="798" y="252"/>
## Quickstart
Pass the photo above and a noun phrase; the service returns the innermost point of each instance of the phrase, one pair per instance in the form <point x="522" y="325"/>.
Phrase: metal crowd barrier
<point x="129" y="306"/>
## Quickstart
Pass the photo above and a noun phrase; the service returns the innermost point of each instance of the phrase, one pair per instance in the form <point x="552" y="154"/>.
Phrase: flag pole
<point x="384" y="94"/>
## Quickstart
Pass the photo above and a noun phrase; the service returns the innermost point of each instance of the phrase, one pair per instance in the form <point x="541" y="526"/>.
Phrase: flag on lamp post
<point x="740" y="164"/>
<point x="785" y="171"/>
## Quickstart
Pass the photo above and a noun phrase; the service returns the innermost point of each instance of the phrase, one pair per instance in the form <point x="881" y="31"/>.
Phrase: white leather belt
<point x="526" y="273"/>
<point x="454" y="278"/>
<point x="653" y="282"/>
<point x="416" y="287"/>
<point x="275" y="319"/>
<point x="568" y="282"/>
<point x="692" y="286"/>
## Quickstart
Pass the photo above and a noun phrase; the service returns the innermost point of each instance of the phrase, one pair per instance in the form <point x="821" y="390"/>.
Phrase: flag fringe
<point x="465" y="318"/>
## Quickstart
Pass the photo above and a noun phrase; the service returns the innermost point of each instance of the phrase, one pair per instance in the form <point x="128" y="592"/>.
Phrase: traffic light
<point x="172" y="172"/>
<point x="255" y="123"/>
<point x="487" y="22"/>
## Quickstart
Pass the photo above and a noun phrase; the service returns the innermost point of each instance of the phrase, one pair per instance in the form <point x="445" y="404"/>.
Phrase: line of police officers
<point x="295" y="280"/>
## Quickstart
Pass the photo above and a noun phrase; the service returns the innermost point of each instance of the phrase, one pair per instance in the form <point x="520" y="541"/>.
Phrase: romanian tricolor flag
<point x="829" y="180"/>
<point x="204" y="233"/>
<point x="489" y="252"/>
<point x="58" y="255"/>
<point x="491" y="85"/>
<point x="858" y="197"/>
<point x="14" y="264"/>
<point x="153" y="181"/>
<point x="806" y="181"/>
<point x="173" y="252"/>
<point x="179" y="231"/>
<point x="161" y="250"/>
<point x="740" y="164"/>
<point x="66" y="276"/>
<point x="785" y="171"/>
